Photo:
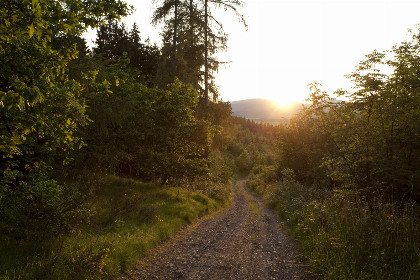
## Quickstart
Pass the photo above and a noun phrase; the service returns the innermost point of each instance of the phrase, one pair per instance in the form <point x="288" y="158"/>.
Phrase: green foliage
<point x="368" y="144"/>
<point x="244" y="162"/>
<point x="114" y="41"/>
<point x="247" y="144"/>
<point x="343" y="237"/>
<point x="185" y="51"/>
<point x="221" y="173"/>
<point x="235" y="149"/>
<point x="139" y="131"/>
<point x="179" y="137"/>
<point x="183" y="47"/>
<point x="40" y="108"/>
<point x="125" y="219"/>
<point x="260" y="177"/>
<point x="346" y="176"/>
<point x="65" y="113"/>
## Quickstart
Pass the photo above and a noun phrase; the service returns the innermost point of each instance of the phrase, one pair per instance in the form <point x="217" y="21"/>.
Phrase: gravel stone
<point x="237" y="243"/>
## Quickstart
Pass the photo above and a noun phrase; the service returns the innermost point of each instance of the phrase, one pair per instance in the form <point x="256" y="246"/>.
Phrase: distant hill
<point x="263" y="109"/>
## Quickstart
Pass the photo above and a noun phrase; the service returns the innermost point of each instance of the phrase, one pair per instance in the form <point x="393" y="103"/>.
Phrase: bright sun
<point x="283" y="100"/>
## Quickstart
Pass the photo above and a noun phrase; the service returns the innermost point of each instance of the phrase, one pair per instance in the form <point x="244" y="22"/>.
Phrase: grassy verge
<point x="343" y="237"/>
<point x="124" y="219"/>
<point x="253" y="206"/>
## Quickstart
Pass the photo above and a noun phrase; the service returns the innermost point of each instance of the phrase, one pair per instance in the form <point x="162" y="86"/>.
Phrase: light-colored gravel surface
<point x="244" y="241"/>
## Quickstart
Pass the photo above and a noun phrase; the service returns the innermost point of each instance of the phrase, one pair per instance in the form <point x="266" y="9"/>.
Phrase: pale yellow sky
<point x="292" y="43"/>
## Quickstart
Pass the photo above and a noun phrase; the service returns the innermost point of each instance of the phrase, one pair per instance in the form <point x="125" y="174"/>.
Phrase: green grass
<point x="342" y="236"/>
<point x="124" y="220"/>
<point x="253" y="206"/>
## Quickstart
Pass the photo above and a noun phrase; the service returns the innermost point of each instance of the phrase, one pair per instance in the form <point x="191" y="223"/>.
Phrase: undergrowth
<point x="342" y="236"/>
<point x="123" y="220"/>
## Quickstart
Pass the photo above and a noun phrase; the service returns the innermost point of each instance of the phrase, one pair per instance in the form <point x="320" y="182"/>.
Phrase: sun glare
<point x="284" y="101"/>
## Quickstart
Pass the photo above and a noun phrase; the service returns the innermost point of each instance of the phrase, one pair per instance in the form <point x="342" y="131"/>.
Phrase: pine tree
<point x="191" y="39"/>
<point x="114" y="41"/>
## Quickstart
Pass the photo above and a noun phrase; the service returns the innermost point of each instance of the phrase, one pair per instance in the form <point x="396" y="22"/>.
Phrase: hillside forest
<point x="106" y="152"/>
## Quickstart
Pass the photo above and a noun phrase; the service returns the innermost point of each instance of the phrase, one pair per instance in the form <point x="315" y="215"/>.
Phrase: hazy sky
<point x="292" y="43"/>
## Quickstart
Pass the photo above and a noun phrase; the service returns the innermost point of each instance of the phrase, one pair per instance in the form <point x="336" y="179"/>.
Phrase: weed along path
<point x="242" y="242"/>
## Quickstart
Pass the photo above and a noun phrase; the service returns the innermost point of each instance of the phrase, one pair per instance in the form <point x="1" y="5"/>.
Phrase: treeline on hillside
<point x="346" y="176"/>
<point x="127" y="107"/>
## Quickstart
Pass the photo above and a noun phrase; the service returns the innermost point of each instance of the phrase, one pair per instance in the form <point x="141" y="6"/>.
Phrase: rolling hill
<point x="264" y="110"/>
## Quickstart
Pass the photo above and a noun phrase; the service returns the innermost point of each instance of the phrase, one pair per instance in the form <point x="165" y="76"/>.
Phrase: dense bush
<point x="40" y="107"/>
<point x="122" y="220"/>
<point x="369" y="143"/>
<point x="341" y="235"/>
<point x="346" y="177"/>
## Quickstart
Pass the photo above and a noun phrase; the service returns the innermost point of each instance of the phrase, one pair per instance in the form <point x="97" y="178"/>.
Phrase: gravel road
<point x="245" y="241"/>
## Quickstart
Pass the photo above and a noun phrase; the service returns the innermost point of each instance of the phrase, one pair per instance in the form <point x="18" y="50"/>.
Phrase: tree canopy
<point x="369" y="143"/>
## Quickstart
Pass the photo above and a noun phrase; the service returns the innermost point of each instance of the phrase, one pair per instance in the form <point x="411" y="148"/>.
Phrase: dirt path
<point x="242" y="242"/>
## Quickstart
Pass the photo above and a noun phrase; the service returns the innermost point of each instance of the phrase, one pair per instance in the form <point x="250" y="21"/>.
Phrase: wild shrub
<point x="124" y="219"/>
<point x="344" y="237"/>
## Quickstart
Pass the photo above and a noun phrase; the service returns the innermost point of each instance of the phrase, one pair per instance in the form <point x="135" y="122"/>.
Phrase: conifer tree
<point x="114" y="41"/>
<point x="192" y="36"/>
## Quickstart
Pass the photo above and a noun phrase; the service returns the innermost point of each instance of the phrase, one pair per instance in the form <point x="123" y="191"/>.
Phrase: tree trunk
<point x="206" y="68"/>
<point x="174" y="40"/>
<point x="191" y="25"/>
<point x="191" y="56"/>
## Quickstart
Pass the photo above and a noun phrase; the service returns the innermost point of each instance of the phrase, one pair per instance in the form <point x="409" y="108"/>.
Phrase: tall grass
<point x="342" y="236"/>
<point x="124" y="219"/>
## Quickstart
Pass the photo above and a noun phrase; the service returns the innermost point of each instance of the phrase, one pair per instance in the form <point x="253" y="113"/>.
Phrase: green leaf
<point x="31" y="30"/>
